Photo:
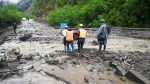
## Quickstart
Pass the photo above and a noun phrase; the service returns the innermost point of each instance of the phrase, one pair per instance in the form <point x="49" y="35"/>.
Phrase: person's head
<point x="66" y="27"/>
<point x="102" y="21"/>
<point x="69" y="29"/>
<point x="81" y="25"/>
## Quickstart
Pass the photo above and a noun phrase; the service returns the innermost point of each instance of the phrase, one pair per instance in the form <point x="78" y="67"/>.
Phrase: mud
<point x="41" y="44"/>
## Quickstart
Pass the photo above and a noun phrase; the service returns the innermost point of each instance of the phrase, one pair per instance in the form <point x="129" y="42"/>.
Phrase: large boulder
<point x="25" y="37"/>
<point x="137" y="77"/>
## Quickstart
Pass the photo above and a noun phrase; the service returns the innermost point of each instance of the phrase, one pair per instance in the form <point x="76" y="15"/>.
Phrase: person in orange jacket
<point x="69" y="40"/>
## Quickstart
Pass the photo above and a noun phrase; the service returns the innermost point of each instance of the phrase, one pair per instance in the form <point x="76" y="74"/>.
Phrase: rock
<point x="42" y="61"/>
<point x="16" y="51"/>
<point x="106" y="64"/>
<point x="3" y="57"/>
<point x="12" y="59"/>
<point x="20" y="66"/>
<point x="4" y="64"/>
<point x="28" y="67"/>
<point x="107" y="80"/>
<point x="105" y="72"/>
<point x="28" y="57"/>
<point x="23" y="61"/>
<point x="38" y="69"/>
<point x="34" y="54"/>
<point x="2" y="50"/>
<point x="36" y="58"/>
<point x="94" y="42"/>
<point x="52" y="61"/>
<point x="123" y="79"/>
<point x="19" y="57"/>
<point x="137" y="77"/>
<point x="120" y="71"/>
<point x="10" y="53"/>
<point x="62" y="59"/>
<point x="21" y="73"/>
<point x="25" y="37"/>
<point x="112" y="64"/>
<point x="13" y="65"/>
<point x="89" y="80"/>
<point x="97" y="68"/>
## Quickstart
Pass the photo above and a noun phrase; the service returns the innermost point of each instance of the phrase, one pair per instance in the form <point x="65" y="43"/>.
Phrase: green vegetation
<point x="28" y="16"/>
<point x="65" y="14"/>
<point x="124" y="13"/>
<point x="9" y="14"/>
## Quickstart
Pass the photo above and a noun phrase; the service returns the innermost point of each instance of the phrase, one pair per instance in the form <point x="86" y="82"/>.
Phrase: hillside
<point x="23" y="5"/>
<point x="29" y="10"/>
<point x="122" y="13"/>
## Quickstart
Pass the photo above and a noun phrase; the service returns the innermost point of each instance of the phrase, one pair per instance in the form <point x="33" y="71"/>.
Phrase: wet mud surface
<point x="138" y="61"/>
<point x="35" y="55"/>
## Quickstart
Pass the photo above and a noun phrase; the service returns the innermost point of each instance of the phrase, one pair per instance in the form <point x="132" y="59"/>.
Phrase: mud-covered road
<point x="36" y="51"/>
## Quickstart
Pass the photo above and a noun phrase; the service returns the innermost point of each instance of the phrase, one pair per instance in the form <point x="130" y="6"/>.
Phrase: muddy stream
<point x="36" y="51"/>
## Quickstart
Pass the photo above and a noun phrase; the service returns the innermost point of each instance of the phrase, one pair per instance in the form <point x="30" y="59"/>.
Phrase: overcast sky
<point x="13" y="1"/>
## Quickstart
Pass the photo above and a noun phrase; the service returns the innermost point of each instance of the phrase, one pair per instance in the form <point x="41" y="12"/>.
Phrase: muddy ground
<point x="36" y="53"/>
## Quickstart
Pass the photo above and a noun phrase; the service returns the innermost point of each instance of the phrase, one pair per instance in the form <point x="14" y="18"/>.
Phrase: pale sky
<point x="13" y="1"/>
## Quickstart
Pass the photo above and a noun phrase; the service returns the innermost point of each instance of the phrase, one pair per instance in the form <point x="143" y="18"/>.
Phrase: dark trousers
<point x="100" y="46"/>
<point x="102" y="43"/>
<point x="80" y="44"/>
<point x="72" y="45"/>
<point x="64" y="41"/>
<point x="14" y="29"/>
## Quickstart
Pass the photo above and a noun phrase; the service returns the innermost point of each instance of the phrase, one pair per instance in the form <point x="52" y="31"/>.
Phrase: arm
<point x="78" y="32"/>
<point x="99" y="31"/>
<point x="86" y="34"/>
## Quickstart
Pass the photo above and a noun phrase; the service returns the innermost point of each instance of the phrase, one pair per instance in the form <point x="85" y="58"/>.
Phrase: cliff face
<point x="23" y="5"/>
<point x="29" y="10"/>
<point x="43" y="7"/>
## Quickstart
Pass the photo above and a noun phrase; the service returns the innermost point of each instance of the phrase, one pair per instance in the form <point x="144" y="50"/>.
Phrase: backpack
<point x="101" y="36"/>
<point x="108" y="29"/>
<point x="75" y="36"/>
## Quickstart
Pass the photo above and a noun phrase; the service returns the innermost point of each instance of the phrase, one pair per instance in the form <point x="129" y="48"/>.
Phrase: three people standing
<point x="69" y="38"/>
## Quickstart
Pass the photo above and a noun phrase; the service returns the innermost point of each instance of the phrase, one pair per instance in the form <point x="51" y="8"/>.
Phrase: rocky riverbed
<point x="35" y="55"/>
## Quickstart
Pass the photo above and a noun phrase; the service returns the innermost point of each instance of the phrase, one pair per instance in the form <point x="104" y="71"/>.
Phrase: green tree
<point x="68" y="14"/>
<point x="9" y="14"/>
<point x="126" y="13"/>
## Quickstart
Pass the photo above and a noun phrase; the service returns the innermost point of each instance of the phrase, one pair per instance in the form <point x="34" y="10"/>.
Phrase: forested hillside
<point x="10" y="12"/>
<point x="128" y="13"/>
<point x="22" y="5"/>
